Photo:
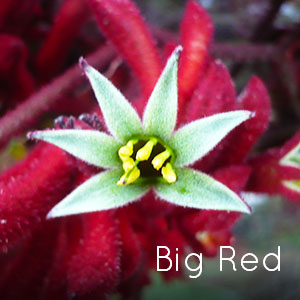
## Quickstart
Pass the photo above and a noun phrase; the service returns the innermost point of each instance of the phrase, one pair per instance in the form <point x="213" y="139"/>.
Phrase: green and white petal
<point x="120" y="117"/>
<point x="197" y="190"/>
<point x="161" y="111"/>
<point x="292" y="185"/>
<point x="98" y="193"/>
<point x="196" y="139"/>
<point x="292" y="158"/>
<point x="94" y="147"/>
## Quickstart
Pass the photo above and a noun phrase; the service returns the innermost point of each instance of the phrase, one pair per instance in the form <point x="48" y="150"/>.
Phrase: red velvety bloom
<point x="273" y="177"/>
<point x="92" y="255"/>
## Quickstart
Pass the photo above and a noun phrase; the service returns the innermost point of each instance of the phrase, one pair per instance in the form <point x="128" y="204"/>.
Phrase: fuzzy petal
<point x="198" y="190"/>
<point x="120" y="117"/>
<point x="98" y="193"/>
<point x="161" y="111"/>
<point x="91" y="146"/>
<point x="196" y="139"/>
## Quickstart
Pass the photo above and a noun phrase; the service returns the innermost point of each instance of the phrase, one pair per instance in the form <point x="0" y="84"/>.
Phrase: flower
<point x="277" y="171"/>
<point x="149" y="153"/>
<point x="88" y="256"/>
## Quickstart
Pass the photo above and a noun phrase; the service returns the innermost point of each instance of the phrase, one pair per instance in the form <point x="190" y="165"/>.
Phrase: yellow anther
<point x="129" y="177"/>
<point x="145" y="152"/>
<point x="126" y="150"/>
<point x="128" y="164"/>
<point x="168" y="173"/>
<point x="159" y="159"/>
<point x="133" y="175"/>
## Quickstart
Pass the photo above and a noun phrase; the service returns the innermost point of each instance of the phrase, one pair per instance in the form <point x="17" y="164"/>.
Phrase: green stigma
<point x="146" y="158"/>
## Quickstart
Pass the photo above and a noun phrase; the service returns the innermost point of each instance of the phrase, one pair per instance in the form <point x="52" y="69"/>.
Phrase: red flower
<point x="273" y="175"/>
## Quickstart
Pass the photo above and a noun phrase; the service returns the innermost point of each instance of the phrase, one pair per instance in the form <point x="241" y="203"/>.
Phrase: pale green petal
<point x="98" y="193"/>
<point x="94" y="147"/>
<point x="197" y="190"/>
<point x="161" y="110"/>
<point x="120" y="117"/>
<point x="293" y="185"/>
<point x="196" y="139"/>
<point x="292" y="158"/>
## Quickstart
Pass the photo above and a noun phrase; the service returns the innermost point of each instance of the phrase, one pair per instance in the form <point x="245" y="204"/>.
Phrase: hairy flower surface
<point x="151" y="156"/>
<point x="189" y="147"/>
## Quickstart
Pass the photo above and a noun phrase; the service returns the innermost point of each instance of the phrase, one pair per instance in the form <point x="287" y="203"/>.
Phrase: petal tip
<point x="50" y="215"/>
<point x="83" y="63"/>
<point x="55" y="212"/>
<point x="247" y="209"/>
<point x="30" y="135"/>
<point x="34" y="135"/>
<point x="178" y="50"/>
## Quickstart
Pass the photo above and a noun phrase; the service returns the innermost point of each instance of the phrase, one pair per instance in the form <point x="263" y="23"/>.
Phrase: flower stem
<point x="20" y="119"/>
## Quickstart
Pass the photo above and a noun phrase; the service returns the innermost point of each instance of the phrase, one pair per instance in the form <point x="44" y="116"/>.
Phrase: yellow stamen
<point x="145" y="152"/>
<point x="128" y="164"/>
<point x="168" y="173"/>
<point x="159" y="159"/>
<point x="126" y="150"/>
<point x="129" y="177"/>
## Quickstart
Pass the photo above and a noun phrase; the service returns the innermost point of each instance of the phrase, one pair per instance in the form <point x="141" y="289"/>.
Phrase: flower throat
<point x="146" y="158"/>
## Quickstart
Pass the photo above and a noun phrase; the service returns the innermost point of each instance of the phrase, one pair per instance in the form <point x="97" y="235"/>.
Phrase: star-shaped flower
<point x="145" y="154"/>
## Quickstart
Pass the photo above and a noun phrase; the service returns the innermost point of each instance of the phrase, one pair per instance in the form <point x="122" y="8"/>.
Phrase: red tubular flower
<point x="196" y="35"/>
<point x="30" y="189"/>
<point x="255" y="98"/>
<point x="131" y="254"/>
<point x="215" y="93"/>
<point x="234" y="148"/>
<point x="124" y="26"/>
<point x="272" y="175"/>
<point x="51" y="58"/>
<point x="94" y="269"/>
<point x="31" y="265"/>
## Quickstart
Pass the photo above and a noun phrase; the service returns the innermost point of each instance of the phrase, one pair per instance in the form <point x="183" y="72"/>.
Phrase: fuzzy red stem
<point x="19" y="120"/>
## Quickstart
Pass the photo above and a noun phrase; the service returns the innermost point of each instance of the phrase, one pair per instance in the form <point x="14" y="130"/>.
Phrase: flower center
<point x="146" y="158"/>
